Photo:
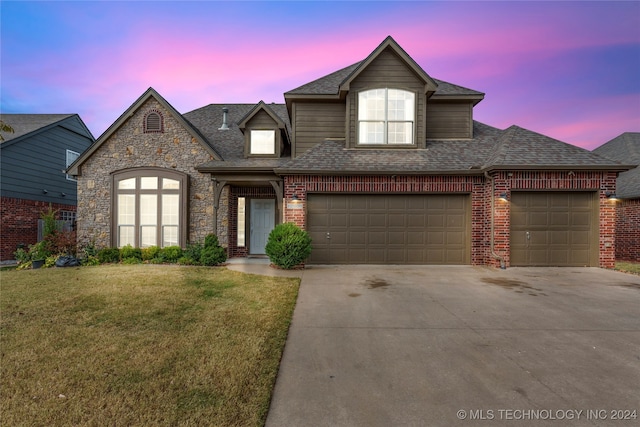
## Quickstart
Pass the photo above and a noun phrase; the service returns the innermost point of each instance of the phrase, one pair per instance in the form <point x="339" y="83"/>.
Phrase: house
<point x="33" y="159"/>
<point x="626" y="148"/>
<point x="378" y="161"/>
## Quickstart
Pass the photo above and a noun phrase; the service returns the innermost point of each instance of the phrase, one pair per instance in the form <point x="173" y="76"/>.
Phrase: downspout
<point x="493" y="201"/>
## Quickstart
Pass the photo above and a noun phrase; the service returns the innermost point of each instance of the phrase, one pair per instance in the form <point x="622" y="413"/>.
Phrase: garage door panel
<point x="398" y="229"/>
<point x="561" y="228"/>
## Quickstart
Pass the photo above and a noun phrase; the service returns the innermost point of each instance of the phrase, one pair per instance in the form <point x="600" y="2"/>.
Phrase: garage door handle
<point x="528" y="235"/>
<point x="328" y="235"/>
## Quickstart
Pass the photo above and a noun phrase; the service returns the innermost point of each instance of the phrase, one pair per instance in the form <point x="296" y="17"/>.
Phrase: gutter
<point x="493" y="202"/>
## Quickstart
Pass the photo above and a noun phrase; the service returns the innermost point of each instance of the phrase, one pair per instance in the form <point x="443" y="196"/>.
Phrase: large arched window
<point x="149" y="208"/>
<point x="386" y="116"/>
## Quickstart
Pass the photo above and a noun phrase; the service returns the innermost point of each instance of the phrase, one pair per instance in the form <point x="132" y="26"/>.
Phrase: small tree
<point x="288" y="245"/>
<point x="212" y="253"/>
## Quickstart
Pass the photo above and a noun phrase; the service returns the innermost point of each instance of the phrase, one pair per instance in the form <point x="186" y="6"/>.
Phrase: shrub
<point x="129" y="251"/>
<point x="91" y="260"/>
<point x="150" y="253"/>
<point x="171" y="253"/>
<point x="132" y="260"/>
<point x="185" y="260"/>
<point x="212" y="253"/>
<point x="108" y="255"/>
<point x="288" y="245"/>
<point x="39" y="250"/>
<point x="21" y="256"/>
<point x="194" y="252"/>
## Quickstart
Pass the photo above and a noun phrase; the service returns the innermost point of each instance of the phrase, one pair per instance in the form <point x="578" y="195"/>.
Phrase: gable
<point x="162" y="105"/>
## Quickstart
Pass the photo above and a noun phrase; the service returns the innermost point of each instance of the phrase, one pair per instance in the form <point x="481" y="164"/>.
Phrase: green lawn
<point x="140" y="345"/>
<point x="628" y="267"/>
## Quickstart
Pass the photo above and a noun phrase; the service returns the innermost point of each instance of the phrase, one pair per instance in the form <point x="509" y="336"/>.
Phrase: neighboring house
<point x="33" y="160"/>
<point x="626" y="148"/>
<point x="378" y="161"/>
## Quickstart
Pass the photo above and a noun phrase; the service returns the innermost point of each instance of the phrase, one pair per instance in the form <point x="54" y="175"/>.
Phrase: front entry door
<point x="263" y="214"/>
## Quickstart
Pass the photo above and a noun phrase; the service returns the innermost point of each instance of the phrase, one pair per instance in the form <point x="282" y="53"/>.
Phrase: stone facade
<point x="129" y="147"/>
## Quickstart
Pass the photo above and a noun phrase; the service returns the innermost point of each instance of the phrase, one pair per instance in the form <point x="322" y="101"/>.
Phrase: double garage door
<point x="389" y="229"/>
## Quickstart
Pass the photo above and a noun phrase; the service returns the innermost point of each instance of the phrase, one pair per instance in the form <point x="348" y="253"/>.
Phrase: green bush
<point x="194" y="252"/>
<point x="288" y="245"/>
<point x="108" y="255"/>
<point x="130" y="252"/>
<point x="212" y="253"/>
<point x="171" y="253"/>
<point x="21" y="256"/>
<point x="131" y="260"/>
<point x="91" y="260"/>
<point x="150" y="253"/>
<point x="185" y="260"/>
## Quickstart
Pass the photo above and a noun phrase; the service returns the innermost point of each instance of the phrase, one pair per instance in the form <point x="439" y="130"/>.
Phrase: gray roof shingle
<point x="24" y="124"/>
<point x="625" y="148"/>
<point x="230" y="143"/>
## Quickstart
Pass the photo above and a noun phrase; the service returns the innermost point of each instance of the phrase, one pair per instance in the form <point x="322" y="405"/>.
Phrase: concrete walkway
<point x="457" y="346"/>
<point x="260" y="266"/>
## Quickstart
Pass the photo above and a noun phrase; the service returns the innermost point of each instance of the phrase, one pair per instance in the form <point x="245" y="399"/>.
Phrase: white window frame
<point x="383" y="123"/>
<point x="71" y="156"/>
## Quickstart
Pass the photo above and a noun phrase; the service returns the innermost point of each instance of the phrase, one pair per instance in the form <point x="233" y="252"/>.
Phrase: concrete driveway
<point x="447" y="346"/>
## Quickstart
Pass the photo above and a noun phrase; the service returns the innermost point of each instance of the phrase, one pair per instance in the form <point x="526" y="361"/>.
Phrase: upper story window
<point x="262" y="142"/>
<point x="153" y="122"/>
<point x="71" y="157"/>
<point x="386" y="116"/>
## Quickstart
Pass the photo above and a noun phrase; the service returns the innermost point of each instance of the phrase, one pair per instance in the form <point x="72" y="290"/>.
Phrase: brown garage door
<point x="554" y="229"/>
<point x="389" y="229"/>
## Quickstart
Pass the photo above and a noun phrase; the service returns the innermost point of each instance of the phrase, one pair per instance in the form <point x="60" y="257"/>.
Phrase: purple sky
<point x="570" y="70"/>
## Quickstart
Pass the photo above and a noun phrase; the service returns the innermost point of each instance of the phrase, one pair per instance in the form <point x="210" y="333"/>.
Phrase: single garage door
<point x="554" y="229"/>
<point x="389" y="229"/>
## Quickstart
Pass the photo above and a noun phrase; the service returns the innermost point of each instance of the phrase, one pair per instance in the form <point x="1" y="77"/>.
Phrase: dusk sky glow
<point x="569" y="70"/>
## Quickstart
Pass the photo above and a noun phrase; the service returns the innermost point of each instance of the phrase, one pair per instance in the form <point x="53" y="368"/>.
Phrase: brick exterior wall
<point x="628" y="230"/>
<point x="130" y="147"/>
<point x="19" y="225"/>
<point x="480" y="190"/>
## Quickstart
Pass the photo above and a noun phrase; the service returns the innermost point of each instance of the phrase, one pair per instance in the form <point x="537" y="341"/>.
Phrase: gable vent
<point x="153" y="122"/>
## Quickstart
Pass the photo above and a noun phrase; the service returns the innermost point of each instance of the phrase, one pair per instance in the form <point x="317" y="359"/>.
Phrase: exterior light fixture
<point x="504" y="197"/>
<point x="44" y="191"/>
<point x="295" y="198"/>
<point x="612" y="196"/>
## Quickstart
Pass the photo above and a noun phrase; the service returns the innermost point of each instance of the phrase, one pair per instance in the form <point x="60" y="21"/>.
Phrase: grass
<point x="140" y="345"/>
<point x="628" y="267"/>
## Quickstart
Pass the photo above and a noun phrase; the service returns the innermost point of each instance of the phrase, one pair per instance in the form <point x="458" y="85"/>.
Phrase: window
<point x="241" y="222"/>
<point x="149" y="208"/>
<point x="153" y="122"/>
<point x="262" y="142"/>
<point x="386" y="116"/>
<point x="71" y="157"/>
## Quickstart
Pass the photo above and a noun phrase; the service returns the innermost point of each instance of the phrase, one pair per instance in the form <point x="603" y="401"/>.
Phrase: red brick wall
<point x="480" y="190"/>
<point x="19" y="224"/>
<point x="628" y="230"/>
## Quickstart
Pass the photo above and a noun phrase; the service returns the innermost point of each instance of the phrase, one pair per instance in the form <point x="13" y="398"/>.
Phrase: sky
<point x="566" y="69"/>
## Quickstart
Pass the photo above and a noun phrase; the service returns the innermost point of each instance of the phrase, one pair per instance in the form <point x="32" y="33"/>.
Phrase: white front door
<point x="263" y="216"/>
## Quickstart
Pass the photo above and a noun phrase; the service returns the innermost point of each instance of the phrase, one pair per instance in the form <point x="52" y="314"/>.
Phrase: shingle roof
<point x="490" y="148"/>
<point x="625" y="148"/>
<point x="330" y="85"/>
<point x="24" y="124"/>
<point x="230" y="143"/>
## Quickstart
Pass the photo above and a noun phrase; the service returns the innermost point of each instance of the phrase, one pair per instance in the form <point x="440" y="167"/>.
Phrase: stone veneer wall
<point x="129" y="147"/>
<point x="480" y="190"/>
<point x="628" y="230"/>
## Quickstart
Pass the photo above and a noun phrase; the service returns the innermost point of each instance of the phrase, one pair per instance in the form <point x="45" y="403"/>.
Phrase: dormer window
<point x="262" y="142"/>
<point x="153" y="122"/>
<point x="386" y="117"/>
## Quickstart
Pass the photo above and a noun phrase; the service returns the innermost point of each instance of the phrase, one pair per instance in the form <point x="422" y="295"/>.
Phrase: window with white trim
<point x="386" y="116"/>
<point x="70" y="158"/>
<point x="262" y="142"/>
<point x="148" y="208"/>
